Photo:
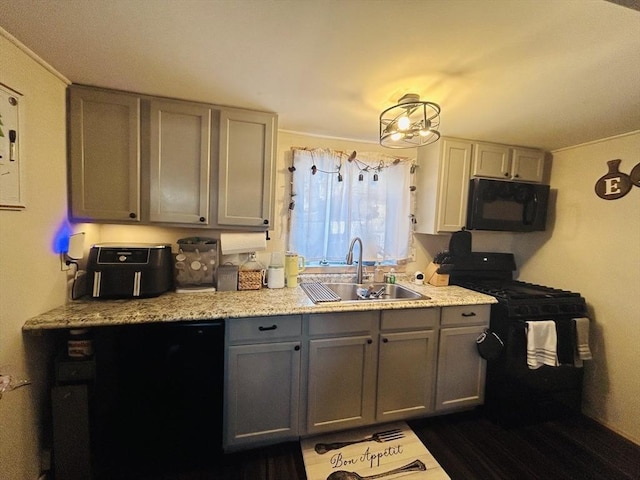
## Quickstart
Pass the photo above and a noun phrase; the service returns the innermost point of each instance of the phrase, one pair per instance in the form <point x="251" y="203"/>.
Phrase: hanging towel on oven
<point x="582" y="341"/>
<point x="542" y="344"/>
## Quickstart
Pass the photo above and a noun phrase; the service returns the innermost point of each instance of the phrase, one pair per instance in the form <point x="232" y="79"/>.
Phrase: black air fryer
<point x="129" y="270"/>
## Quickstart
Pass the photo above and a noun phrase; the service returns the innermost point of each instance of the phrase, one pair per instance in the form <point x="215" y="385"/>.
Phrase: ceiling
<point x="538" y="73"/>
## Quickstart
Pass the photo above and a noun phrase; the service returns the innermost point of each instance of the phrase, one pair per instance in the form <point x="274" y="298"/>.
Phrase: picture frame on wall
<point x="11" y="161"/>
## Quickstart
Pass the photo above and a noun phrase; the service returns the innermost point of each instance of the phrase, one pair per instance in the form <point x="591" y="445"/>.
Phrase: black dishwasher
<point x="158" y="398"/>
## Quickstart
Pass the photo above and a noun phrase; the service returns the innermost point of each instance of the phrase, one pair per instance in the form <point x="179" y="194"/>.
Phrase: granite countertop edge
<point x="178" y="307"/>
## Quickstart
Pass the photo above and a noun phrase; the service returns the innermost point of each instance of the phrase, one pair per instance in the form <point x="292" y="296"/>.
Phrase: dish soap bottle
<point x="392" y="276"/>
<point x="378" y="274"/>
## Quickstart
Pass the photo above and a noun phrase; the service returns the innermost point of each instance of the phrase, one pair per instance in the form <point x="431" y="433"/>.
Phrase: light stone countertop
<point x="174" y="307"/>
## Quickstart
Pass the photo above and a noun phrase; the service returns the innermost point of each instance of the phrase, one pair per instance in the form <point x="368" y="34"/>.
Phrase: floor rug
<point x="387" y="451"/>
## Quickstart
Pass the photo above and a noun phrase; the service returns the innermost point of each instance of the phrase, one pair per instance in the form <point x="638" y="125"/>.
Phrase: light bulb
<point x="396" y="136"/>
<point x="424" y="133"/>
<point x="403" y="123"/>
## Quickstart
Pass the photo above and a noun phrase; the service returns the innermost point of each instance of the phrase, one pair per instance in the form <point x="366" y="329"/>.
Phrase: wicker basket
<point x="249" y="279"/>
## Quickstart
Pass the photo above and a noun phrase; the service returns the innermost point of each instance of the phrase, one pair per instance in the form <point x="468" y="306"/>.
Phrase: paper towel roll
<point x="231" y="243"/>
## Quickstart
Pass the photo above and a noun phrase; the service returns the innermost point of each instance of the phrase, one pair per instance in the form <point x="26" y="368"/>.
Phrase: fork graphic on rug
<point x="380" y="437"/>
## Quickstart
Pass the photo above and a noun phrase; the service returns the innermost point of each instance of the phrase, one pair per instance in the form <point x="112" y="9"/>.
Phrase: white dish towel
<point x="583" y="352"/>
<point x="542" y="344"/>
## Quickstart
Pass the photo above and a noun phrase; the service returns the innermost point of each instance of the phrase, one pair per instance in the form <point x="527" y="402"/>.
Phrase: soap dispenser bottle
<point x="378" y="274"/>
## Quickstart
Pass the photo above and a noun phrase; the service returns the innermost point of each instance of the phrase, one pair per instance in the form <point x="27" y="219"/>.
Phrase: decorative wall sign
<point x="11" y="168"/>
<point x="635" y="175"/>
<point x="616" y="184"/>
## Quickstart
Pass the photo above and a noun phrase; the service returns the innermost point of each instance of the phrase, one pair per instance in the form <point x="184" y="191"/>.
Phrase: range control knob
<point x="521" y="310"/>
<point x="122" y="258"/>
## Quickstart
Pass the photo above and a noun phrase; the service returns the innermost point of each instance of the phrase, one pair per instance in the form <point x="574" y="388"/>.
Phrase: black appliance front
<point x="507" y="206"/>
<point x="514" y="393"/>
<point x="158" y="401"/>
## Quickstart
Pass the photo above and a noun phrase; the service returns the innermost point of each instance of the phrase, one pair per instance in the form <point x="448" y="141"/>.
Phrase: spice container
<point x="79" y="344"/>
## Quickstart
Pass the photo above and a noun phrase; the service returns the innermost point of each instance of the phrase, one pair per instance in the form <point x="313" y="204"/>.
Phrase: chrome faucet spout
<point x="350" y="258"/>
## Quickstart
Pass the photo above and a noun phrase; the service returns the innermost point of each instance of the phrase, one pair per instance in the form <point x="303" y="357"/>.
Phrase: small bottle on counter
<point x="391" y="276"/>
<point x="79" y="344"/>
<point x="378" y="274"/>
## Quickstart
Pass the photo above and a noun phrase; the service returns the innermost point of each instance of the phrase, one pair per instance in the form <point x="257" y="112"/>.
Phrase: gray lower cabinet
<point x="262" y="380"/>
<point x="341" y="374"/>
<point x="461" y="370"/>
<point x="406" y="363"/>
<point x="104" y="153"/>
<point x="290" y="376"/>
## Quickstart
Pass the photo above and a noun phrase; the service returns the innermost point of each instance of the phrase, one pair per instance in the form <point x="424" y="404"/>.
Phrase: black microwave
<point x="507" y="206"/>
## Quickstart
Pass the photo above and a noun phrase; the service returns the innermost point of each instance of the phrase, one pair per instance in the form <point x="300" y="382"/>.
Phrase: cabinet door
<point x="262" y="392"/>
<point x="491" y="161"/>
<point x="406" y="369"/>
<point x="180" y="162"/>
<point x="528" y="165"/>
<point x="453" y="186"/>
<point x="104" y="153"/>
<point x="461" y="370"/>
<point x="341" y="383"/>
<point x="247" y="163"/>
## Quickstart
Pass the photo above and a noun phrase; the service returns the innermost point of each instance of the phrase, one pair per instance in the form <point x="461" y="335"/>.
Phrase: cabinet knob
<point x="385" y="340"/>
<point x="516" y="176"/>
<point x="132" y="215"/>
<point x="202" y="219"/>
<point x="506" y="174"/>
<point x="296" y="348"/>
<point x="369" y="341"/>
<point x="265" y="221"/>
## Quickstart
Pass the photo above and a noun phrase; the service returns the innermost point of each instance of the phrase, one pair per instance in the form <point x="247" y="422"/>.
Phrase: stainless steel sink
<point x="348" y="292"/>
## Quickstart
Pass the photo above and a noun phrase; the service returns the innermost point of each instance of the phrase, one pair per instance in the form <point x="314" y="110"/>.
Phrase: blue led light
<point x="60" y="242"/>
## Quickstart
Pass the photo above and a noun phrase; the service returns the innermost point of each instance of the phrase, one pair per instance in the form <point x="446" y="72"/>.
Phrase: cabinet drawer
<point x="342" y="323"/>
<point x="263" y="329"/>
<point x="418" y="318"/>
<point x="75" y="371"/>
<point x="466" y="315"/>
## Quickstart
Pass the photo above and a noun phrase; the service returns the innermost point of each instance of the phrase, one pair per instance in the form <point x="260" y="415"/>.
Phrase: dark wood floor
<point x="469" y="447"/>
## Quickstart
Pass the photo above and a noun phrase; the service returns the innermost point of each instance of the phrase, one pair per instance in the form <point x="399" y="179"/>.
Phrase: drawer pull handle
<point x="264" y="329"/>
<point x="472" y="314"/>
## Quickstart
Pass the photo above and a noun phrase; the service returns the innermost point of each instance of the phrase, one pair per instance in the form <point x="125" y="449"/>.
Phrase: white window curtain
<point x="327" y="213"/>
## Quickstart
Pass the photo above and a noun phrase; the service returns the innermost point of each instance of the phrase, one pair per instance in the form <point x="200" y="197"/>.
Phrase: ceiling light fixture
<point x="409" y="124"/>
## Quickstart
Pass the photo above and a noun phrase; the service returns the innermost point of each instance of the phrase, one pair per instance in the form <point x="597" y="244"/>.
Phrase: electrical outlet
<point x="64" y="266"/>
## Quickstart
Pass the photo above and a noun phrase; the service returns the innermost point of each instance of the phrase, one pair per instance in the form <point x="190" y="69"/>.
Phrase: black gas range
<point x="491" y="273"/>
<point x="515" y="393"/>
<point x="528" y="300"/>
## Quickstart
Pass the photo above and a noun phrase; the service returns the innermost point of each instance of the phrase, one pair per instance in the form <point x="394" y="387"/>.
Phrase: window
<point x="336" y="198"/>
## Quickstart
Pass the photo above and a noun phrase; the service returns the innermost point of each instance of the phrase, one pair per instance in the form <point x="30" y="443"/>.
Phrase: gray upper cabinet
<point x="138" y="158"/>
<point x="104" y="153"/>
<point x="508" y="163"/>
<point x="246" y="168"/>
<point x="180" y="166"/>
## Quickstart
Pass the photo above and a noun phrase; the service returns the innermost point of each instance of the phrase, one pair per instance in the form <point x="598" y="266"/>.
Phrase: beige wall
<point x="593" y="247"/>
<point x="31" y="280"/>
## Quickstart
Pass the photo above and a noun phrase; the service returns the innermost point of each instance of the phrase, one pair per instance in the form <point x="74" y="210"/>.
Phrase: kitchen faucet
<point x="350" y="258"/>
